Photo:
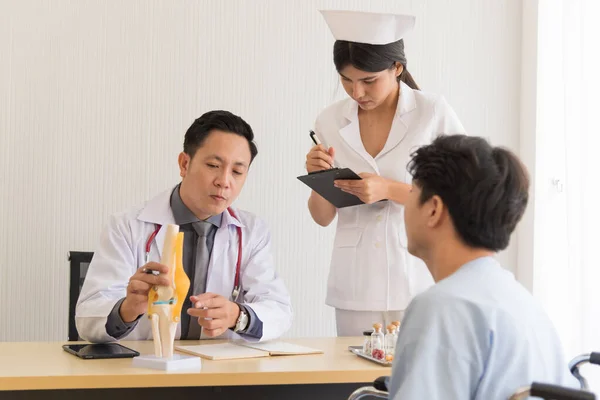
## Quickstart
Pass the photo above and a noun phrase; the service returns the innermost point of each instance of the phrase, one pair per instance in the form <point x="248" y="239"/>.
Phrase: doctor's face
<point x="369" y="89"/>
<point x="214" y="177"/>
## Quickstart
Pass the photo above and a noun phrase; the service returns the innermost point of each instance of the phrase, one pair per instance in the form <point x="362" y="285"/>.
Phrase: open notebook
<point x="236" y="350"/>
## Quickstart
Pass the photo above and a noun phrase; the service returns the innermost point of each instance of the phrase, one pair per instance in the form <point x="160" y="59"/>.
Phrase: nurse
<point x="372" y="276"/>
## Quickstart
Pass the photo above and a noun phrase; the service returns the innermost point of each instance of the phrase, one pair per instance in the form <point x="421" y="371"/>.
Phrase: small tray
<point x="358" y="351"/>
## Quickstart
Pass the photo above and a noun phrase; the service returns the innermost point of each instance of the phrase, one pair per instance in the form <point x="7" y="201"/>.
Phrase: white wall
<point x="95" y="97"/>
<point x="527" y="142"/>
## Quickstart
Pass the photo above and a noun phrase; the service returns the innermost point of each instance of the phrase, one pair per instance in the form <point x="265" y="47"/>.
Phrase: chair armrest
<point x="552" y="392"/>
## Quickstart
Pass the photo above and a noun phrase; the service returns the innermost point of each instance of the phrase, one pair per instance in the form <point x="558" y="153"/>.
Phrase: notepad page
<point x="277" y="348"/>
<point x="222" y="351"/>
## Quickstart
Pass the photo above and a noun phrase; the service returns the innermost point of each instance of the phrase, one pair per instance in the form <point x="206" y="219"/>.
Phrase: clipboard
<point x="322" y="183"/>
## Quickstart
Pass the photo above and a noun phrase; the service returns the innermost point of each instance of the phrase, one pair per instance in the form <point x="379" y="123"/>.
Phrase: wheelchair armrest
<point x="555" y="392"/>
<point x="379" y="390"/>
<point x="381" y="383"/>
<point x="367" y="391"/>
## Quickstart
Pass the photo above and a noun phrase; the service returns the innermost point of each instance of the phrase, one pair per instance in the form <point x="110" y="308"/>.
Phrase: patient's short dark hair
<point x="485" y="188"/>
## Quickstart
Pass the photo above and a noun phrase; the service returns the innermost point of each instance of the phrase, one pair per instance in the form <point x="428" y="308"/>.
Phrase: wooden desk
<point x="44" y="368"/>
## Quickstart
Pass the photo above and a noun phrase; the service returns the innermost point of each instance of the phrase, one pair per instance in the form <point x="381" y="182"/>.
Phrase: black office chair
<point x="591" y="358"/>
<point x="379" y="390"/>
<point x="79" y="264"/>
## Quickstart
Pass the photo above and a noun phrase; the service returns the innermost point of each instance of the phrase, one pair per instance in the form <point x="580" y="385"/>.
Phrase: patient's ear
<point x="435" y="210"/>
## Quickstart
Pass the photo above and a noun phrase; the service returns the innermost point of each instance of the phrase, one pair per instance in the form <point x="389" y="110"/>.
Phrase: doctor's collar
<point x="229" y="219"/>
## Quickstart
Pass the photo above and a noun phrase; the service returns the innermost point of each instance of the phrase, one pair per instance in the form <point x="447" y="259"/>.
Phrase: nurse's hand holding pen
<point x="370" y="189"/>
<point x="319" y="158"/>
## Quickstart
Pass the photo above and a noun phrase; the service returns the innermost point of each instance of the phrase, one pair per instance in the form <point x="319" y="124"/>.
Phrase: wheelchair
<point x="543" y="391"/>
<point x="379" y="390"/>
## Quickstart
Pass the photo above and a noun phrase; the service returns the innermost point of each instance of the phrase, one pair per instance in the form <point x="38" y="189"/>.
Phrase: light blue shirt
<point x="478" y="334"/>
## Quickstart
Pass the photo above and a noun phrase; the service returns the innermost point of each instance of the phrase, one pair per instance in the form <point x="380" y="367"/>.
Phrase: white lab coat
<point x="371" y="269"/>
<point x="122" y="251"/>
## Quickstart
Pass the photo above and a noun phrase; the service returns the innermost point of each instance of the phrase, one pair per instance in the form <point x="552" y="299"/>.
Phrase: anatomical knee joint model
<point x="166" y="302"/>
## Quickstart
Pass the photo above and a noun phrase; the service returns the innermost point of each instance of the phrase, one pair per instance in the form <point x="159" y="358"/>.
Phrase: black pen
<point x="315" y="139"/>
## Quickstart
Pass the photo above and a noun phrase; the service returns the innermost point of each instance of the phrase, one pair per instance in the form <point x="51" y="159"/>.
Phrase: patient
<point x="477" y="333"/>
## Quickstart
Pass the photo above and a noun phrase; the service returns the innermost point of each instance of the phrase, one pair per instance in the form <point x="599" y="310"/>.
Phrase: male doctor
<point x="477" y="333"/>
<point x="217" y="153"/>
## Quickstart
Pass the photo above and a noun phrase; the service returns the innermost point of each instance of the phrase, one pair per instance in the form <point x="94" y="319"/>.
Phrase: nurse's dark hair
<point x="217" y="120"/>
<point x="372" y="58"/>
<point x="484" y="188"/>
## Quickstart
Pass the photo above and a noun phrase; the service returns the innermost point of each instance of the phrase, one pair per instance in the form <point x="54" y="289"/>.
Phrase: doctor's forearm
<point x="398" y="191"/>
<point x="322" y="211"/>
<point x="115" y="326"/>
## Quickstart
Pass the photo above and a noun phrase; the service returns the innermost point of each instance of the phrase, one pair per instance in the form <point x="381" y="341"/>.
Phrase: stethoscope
<point x="236" y="285"/>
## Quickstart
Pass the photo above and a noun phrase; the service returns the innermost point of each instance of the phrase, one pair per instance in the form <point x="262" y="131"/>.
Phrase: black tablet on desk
<point x="322" y="183"/>
<point x="100" y="350"/>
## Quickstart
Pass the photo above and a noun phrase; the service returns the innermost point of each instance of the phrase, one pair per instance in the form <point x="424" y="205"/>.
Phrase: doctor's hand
<point x="319" y="158"/>
<point x="370" y="189"/>
<point x="136" y="300"/>
<point x="215" y="313"/>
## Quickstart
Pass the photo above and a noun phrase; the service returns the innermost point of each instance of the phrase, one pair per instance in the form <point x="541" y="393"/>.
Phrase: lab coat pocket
<point x="347" y="238"/>
<point x="344" y="262"/>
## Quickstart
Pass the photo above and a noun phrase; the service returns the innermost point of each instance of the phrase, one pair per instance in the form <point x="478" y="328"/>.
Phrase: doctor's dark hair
<point x="485" y="188"/>
<point x="372" y="58"/>
<point x="220" y="120"/>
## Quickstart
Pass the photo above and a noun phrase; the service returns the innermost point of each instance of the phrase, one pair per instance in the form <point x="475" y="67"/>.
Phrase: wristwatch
<point x="242" y="321"/>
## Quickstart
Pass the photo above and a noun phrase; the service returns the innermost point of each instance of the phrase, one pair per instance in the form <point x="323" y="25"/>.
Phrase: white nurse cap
<point x="366" y="27"/>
